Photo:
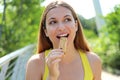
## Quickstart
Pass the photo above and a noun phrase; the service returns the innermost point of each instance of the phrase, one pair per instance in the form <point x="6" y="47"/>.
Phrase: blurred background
<point x="19" y="26"/>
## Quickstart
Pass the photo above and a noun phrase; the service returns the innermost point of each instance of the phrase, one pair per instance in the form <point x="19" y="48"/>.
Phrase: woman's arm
<point x="34" y="68"/>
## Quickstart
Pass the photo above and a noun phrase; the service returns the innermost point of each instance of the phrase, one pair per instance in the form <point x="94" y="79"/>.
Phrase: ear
<point x="76" y="25"/>
<point x="46" y="32"/>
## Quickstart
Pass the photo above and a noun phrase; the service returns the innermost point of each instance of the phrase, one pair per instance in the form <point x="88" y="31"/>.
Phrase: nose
<point x="61" y="26"/>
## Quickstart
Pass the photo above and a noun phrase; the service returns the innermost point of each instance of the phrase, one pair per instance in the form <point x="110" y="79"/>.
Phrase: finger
<point x="57" y="50"/>
<point x="51" y="53"/>
<point x="52" y="58"/>
<point x="54" y="53"/>
<point x="56" y="61"/>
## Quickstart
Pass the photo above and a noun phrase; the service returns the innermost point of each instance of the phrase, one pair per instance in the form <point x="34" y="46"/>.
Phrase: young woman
<point x="78" y="62"/>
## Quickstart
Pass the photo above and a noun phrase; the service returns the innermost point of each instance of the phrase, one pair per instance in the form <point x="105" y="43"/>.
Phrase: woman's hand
<point x="52" y="60"/>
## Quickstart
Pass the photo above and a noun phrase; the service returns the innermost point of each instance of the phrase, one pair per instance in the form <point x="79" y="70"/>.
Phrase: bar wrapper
<point x="63" y="43"/>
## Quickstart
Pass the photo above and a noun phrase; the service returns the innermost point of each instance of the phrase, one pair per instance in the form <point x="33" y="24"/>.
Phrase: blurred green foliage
<point x="107" y="45"/>
<point x="112" y="32"/>
<point x="89" y="24"/>
<point x="19" y="25"/>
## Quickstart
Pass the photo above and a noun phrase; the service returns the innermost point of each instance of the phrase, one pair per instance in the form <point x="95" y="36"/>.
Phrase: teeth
<point x="63" y="35"/>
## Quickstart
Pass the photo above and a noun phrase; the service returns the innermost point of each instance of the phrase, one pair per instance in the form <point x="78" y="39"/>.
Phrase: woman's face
<point x="60" y="23"/>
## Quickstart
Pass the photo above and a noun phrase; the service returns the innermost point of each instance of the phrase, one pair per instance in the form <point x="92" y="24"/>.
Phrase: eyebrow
<point x="55" y="18"/>
<point x="67" y="15"/>
<point x="51" y="18"/>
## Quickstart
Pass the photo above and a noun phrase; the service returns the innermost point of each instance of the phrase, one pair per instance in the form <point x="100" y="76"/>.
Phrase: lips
<point x="62" y="35"/>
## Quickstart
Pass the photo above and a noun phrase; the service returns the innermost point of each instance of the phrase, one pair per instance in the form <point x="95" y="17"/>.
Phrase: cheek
<point x="51" y="34"/>
<point x="73" y="30"/>
<point x="51" y="31"/>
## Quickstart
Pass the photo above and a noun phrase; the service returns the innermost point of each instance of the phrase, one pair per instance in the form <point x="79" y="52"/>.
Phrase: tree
<point x="21" y="24"/>
<point x="113" y="26"/>
<point x="112" y="34"/>
<point x="88" y="24"/>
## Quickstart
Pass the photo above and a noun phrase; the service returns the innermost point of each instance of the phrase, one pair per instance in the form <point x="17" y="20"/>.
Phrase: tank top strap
<point x="46" y="71"/>
<point x="88" y="75"/>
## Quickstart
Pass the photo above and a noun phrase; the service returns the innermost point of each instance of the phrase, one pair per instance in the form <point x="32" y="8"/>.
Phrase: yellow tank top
<point x="88" y="75"/>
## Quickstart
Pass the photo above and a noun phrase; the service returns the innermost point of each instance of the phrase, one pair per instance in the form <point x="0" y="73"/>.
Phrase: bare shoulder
<point x="96" y="65"/>
<point x="35" y="67"/>
<point x="36" y="59"/>
<point x="93" y="57"/>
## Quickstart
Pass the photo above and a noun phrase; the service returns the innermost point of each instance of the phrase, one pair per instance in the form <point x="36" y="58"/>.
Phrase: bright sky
<point x="86" y="7"/>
